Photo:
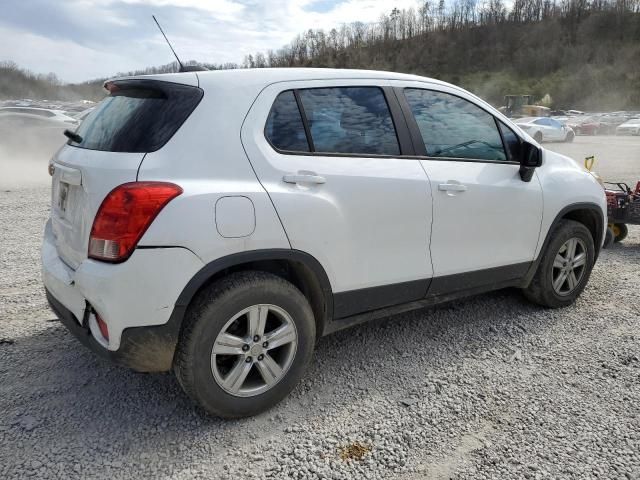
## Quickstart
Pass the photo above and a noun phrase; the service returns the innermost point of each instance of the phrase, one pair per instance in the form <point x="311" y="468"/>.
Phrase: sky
<point x="84" y="39"/>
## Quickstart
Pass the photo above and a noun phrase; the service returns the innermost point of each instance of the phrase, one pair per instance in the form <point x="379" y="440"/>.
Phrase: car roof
<point x="250" y="76"/>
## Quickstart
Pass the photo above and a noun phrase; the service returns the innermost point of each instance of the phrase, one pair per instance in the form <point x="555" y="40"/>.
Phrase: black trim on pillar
<point x="410" y="121"/>
<point x="399" y="122"/>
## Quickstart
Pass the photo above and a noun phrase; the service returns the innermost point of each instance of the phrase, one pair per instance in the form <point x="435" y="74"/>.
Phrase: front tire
<point x="569" y="138"/>
<point x="538" y="137"/>
<point x="246" y="342"/>
<point x="565" y="266"/>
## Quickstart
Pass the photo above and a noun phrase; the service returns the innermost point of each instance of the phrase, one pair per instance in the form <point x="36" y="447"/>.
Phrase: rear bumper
<point x="144" y="349"/>
<point x="136" y="299"/>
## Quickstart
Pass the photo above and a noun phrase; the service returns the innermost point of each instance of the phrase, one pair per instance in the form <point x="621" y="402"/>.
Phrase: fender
<point x="274" y="254"/>
<point x="158" y="343"/>
<point x="600" y="222"/>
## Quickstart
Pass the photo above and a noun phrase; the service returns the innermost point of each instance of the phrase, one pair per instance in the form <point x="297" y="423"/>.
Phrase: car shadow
<point x="62" y="375"/>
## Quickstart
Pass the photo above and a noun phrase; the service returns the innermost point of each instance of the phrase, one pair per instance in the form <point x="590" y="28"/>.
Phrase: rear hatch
<point x="138" y="116"/>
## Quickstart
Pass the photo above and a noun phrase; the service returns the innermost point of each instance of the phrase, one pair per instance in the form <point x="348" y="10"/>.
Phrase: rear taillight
<point x="124" y="216"/>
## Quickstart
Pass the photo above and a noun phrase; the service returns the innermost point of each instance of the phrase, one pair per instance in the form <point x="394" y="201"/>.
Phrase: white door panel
<point x="367" y="220"/>
<point x="484" y="215"/>
<point x="368" y="224"/>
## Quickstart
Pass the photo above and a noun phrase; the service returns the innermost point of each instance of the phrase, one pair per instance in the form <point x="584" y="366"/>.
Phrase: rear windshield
<point x="138" y="116"/>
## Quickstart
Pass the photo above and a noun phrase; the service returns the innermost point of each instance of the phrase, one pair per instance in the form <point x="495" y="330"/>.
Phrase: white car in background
<point x="545" y="129"/>
<point x="34" y="112"/>
<point x="33" y="132"/>
<point x="630" y="127"/>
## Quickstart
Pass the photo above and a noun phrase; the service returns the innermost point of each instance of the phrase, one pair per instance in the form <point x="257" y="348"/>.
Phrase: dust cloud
<point x="25" y="155"/>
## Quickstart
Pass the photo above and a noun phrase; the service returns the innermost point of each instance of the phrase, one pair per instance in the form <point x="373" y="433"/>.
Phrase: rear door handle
<point x="304" y="177"/>
<point x="452" y="187"/>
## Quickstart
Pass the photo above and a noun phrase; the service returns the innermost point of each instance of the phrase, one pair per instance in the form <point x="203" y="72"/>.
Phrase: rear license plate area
<point x="63" y="197"/>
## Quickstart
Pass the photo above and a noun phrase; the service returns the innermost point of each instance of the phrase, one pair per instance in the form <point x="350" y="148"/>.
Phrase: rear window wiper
<point x="73" y="136"/>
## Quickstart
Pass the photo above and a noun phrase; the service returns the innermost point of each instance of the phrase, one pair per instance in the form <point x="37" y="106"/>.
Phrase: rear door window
<point x="350" y="120"/>
<point x="138" y="116"/>
<point x="453" y="127"/>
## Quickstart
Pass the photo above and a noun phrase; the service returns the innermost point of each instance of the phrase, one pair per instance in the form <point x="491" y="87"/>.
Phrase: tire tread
<point x="541" y="293"/>
<point x="184" y="358"/>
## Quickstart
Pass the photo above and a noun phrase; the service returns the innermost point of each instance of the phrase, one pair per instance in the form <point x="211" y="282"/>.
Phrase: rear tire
<point x="569" y="138"/>
<point x="538" y="137"/>
<point x="548" y="287"/>
<point x="218" y="339"/>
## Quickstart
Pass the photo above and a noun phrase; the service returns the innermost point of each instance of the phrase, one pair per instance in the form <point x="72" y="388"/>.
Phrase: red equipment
<point x="623" y="207"/>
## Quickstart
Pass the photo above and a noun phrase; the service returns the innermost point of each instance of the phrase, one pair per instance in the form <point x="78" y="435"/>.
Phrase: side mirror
<point x="531" y="158"/>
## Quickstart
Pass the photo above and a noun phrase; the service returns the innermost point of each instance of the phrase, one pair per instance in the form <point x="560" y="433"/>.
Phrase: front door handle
<point x="452" y="187"/>
<point x="304" y="177"/>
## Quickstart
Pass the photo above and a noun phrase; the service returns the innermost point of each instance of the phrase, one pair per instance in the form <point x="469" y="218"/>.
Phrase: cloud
<point x="221" y="9"/>
<point x="83" y="39"/>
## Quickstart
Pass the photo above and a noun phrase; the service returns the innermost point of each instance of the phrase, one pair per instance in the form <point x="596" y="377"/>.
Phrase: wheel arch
<point x="298" y="267"/>
<point x="589" y="214"/>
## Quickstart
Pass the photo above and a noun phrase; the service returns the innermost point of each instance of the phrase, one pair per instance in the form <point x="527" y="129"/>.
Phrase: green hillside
<point x="582" y="54"/>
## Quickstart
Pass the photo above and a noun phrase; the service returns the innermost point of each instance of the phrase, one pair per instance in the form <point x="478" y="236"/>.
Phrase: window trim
<point x="395" y="112"/>
<point x="416" y="135"/>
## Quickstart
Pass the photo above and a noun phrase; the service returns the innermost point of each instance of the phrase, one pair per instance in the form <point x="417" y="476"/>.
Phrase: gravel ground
<point x="490" y="387"/>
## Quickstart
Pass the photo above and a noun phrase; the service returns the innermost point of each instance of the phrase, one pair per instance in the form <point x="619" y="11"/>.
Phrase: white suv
<point x="219" y="223"/>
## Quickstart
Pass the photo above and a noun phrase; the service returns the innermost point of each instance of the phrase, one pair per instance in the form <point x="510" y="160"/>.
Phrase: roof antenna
<point x="183" y="68"/>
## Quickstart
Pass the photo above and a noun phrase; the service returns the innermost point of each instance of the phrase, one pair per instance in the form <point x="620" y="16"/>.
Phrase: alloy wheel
<point x="254" y="350"/>
<point x="569" y="266"/>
